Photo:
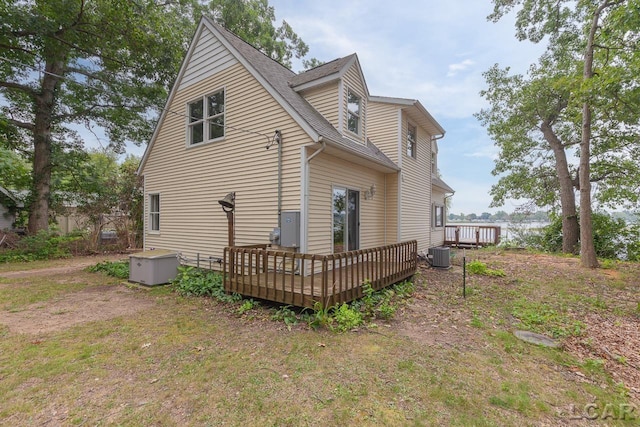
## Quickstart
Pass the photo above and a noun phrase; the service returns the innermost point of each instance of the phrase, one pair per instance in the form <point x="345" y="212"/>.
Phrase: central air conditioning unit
<point x="440" y="257"/>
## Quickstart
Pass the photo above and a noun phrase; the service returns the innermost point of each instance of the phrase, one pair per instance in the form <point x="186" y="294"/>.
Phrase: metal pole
<point x="464" y="274"/>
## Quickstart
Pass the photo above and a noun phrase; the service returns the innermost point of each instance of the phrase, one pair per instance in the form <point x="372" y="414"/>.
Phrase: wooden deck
<point x="303" y="280"/>
<point x="475" y="236"/>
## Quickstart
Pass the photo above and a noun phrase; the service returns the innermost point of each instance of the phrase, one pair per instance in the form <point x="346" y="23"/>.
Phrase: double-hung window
<point x="154" y="212"/>
<point x="411" y="140"/>
<point x="354" y="104"/>
<point x="206" y="118"/>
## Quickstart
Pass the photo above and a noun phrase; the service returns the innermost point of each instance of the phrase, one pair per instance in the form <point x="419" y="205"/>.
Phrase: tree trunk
<point x="587" y="247"/>
<point x="570" y="228"/>
<point x="42" y="144"/>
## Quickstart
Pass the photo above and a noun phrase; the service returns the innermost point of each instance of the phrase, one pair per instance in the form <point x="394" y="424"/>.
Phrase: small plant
<point x="247" y="305"/>
<point x="193" y="281"/>
<point x="347" y="318"/>
<point x="119" y="269"/>
<point x="319" y="317"/>
<point x="387" y="310"/>
<point x="287" y="315"/>
<point x="480" y="268"/>
<point x="608" y="264"/>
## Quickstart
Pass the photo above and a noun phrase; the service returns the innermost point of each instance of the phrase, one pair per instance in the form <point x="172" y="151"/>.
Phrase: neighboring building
<point x="344" y="169"/>
<point x="9" y="206"/>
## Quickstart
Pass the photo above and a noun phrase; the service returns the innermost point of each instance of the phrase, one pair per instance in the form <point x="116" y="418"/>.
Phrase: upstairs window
<point x="154" y="212"/>
<point x="411" y="141"/>
<point x="206" y="118"/>
<point x="353" y="112"/>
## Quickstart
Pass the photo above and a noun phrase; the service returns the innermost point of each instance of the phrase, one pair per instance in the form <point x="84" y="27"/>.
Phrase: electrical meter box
<point x="290" y="231"/>
<point x="153" y="267"/>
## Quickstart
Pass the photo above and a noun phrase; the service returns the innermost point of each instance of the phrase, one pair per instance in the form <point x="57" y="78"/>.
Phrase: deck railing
<point x="305" y="279"/>
<point x="472" y="235"/>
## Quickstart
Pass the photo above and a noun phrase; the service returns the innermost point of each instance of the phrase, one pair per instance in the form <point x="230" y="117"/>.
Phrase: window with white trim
<point x="154" y="212"/>
<point x="354" y="104"/>
<point x="206" y="118"/>
<point x="411" y="141"/>
<point x="438" y="216"/>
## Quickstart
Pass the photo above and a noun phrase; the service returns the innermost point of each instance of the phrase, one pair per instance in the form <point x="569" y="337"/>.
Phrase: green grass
<point x="194" y="361"/>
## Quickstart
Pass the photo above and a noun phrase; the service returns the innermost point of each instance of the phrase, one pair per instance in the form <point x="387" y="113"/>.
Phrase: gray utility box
<point x="290" y="232"/>
<point x="153" y="267"/>
<point x="441" y="257"/>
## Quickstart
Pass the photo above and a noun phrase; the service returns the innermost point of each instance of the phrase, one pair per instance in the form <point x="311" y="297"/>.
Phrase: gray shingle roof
<point x="280" y="78"/>
<point x="321" y="71"/>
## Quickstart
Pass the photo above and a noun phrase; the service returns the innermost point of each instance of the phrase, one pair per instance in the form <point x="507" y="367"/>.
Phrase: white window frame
<point x="357" y="115"/>
<point x="436" y="208"/>
<point x="154" y="226"/>
<point x="412" y="145"/>
<point x="347" y="219"/>
<point x="206" y="119"/>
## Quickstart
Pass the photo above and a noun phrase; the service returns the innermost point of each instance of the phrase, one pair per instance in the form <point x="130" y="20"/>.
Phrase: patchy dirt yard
<point x="88" y="304"/>
<point x="597" y="312"/>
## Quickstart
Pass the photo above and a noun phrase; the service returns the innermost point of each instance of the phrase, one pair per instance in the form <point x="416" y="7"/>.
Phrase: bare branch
<point x="19" y="87"/>
<point x="23" y="125"/>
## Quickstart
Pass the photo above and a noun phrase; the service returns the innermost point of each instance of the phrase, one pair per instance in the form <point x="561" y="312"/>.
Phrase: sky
<point x="431" y="50"/>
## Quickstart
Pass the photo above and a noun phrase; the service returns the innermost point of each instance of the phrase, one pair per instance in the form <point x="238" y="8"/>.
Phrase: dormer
<point x="338" y="91"/>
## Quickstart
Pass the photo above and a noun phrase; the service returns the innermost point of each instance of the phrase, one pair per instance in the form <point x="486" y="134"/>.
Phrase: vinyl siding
<point x="190" y="180"/>
<point x="382" y="127"/>
<point x="327" y="171"/>
<point x="207" y="51"/>
<point x="353" y="80"/>
<point x="325" y="100"/>
<point x="437" y="234"/>
<point x="416" y="189"/>
<point x="392" y="208"/>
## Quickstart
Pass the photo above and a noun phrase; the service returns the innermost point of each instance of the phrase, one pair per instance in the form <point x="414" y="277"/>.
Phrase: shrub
<point x="613" y="238"/>
<point x="46" y="244"/>
<point x="347" y="318"/>
<point x="480" y="268"/>
<point x="119" y="269"/>
<point x="192" y="281"/>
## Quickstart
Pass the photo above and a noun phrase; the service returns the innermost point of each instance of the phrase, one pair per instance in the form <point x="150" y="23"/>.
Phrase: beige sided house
<point x="314" y="154"/>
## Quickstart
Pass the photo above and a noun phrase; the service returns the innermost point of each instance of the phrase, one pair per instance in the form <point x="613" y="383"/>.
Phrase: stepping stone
<point x="539" y="339"/>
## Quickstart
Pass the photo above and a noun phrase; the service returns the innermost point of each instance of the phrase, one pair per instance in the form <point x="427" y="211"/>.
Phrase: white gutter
<point x="304" y="189"/>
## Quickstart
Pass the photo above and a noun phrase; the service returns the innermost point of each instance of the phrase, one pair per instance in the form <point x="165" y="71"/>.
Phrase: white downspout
<point x="304" y="188"/>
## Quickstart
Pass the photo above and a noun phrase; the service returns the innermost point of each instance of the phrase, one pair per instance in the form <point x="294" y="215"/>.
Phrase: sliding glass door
<point x="346" y="219"/>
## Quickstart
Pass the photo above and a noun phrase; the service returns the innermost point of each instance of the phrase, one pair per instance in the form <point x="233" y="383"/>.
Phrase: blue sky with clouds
<point x="433" y="51"/>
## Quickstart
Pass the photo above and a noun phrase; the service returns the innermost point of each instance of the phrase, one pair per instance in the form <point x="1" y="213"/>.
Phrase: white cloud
<point x="460" y="66"/>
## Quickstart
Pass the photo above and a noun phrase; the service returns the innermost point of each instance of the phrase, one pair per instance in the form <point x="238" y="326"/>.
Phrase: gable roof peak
<point x="325" y="73"/>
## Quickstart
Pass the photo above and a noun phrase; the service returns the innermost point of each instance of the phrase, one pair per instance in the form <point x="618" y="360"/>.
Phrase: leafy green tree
<point x="101" y="62"/>
<point x="253" y="21"/>
<point x="588" y="102"/>
<point x="105" y="63"/>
